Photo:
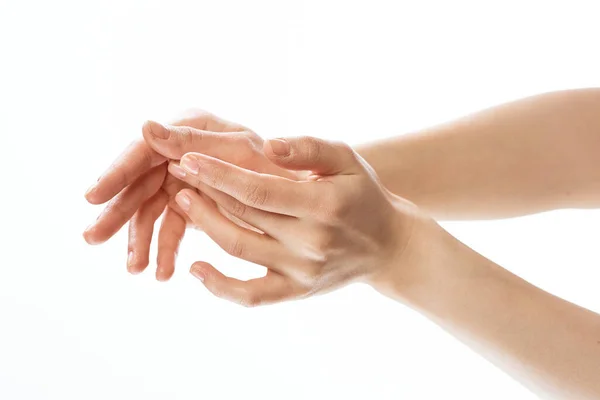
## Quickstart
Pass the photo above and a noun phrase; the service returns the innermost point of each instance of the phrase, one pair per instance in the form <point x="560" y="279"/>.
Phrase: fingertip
<point x="175" y="170"/>
<point x="183" y="200"/>
<point x="165" y="267"/>
<point x="91" y="195"/>
<point x="135" y="266"/>
<point x="134" y="270"/>
<point x="200" y="270"/>
<point x="163" y="276"/>
<point x="154" y="130"/>
<point x="164" y="272"/>
<point x="277" y="147"/>
<point x="90" y="237"/>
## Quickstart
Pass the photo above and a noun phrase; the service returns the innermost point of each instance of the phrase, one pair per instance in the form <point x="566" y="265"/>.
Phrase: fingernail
<point x="183" y="201"/>
<point x="159" y="131"/>
<point x="279" y="147"/>
<point x="177" y="171"/>
<point x="130" y="261"/>
<point x="191" y="165"/>
<point x="198" y="273"/>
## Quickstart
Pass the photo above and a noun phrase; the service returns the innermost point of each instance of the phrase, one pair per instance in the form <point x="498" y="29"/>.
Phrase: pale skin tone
<point x="321" y="215"/>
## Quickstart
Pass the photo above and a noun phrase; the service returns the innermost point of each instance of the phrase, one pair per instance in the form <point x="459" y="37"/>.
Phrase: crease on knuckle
<point x="322" y="241"/>
<point x="118" y="208"/>
<point x="147" y="158"/>
<point x="313" y="150"/>
<point x="255" y="196"/>
<point x="344" y="147"/>
<point x="235" y="247"/>
<point x="249" y="300"/>
<point x="186" y="137"/>
<point x="216" y="177"/>
<point x="237" y="208"/>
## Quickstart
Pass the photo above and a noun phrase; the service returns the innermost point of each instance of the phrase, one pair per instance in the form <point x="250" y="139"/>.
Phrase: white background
<point x="77" y="80"/>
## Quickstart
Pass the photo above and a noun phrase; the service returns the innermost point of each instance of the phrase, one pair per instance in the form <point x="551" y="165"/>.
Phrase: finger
<point x="140" y="157"/>
<point x="237" y="241"/>
<point x="141" y="228"/>
<point x="170" y="234"/>
<point x="124" y="205"/>
<point x="267" y="222"/>
<point x="262" y="191"/>
<point x="201" y="119"/>
<point x="136" y="160"/>
<point x="174" y="141"/>
<point x="269" y="289"/>
<point x="313" y="154"/>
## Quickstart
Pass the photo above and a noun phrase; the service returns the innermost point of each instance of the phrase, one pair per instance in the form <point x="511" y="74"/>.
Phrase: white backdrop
<point x="77" y="80"/>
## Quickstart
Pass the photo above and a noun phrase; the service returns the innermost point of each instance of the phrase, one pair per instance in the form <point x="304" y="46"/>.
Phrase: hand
<point x="140" y="190"/>
<point x="337" y="226"/>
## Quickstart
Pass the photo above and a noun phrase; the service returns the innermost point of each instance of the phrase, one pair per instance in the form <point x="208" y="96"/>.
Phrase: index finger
<point x="263" y="191"/>
<point x="137" y="159"/>
<point x="140" y="157"/>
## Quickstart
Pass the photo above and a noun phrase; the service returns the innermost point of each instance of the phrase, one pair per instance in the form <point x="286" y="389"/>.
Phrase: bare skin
<point x="139" y="190"/>
<point x="536" y="154"/>
<point x="319" y="216"/>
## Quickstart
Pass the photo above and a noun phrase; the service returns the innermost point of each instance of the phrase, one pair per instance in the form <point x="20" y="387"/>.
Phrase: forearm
<point x="548" y="344"/>
<point x="531" y="155"/>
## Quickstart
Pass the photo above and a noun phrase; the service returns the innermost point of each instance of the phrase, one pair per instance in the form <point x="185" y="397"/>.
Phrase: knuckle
<point x="249" y="300"/>
<point x="313" y="149"/>
<point x="235" y="247"/>
<point x="314" y="269"/>
<point x="147" y="158"/>
<point x="186" y="136"/>
<point x="237" y="208"/>
<point x="344" y="147"/>
<point x="122" y="179"/>
<point x="118" y="208"/>
<point x="246" y="147"/>
<point x="216" y="290"/>
<point x="216" y="177"/>
<point x="311" y="273"/>
<point x="322" y="241"/>
<point x="255" y="196"/>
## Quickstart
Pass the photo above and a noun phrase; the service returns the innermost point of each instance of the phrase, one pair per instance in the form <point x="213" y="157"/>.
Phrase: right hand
<point x="337" y="226"/>
<point x="140" y="190"/>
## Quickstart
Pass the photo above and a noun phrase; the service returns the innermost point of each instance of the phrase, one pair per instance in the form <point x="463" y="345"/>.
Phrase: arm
<point x="532" y="155"/>
<point x="549" y="345"/>
<point x="341" y="226"/>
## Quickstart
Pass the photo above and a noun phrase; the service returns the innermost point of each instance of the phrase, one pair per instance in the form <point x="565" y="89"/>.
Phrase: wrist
<point x="424" y="260"/>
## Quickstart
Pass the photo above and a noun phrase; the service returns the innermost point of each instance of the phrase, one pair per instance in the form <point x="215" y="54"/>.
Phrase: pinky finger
<point x="272" y="288"/>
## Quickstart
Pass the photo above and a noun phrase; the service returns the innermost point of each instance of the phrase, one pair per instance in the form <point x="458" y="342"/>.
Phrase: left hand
<point x="140" y="190"/>
<point x="337" y="226"/>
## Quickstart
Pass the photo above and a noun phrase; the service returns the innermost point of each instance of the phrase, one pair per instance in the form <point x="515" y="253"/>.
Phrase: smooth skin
<point x="340" y="222"/>
<point x="139" y="190"/>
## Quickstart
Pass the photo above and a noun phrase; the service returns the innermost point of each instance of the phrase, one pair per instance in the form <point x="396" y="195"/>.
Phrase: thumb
<point x="312" y="154"/>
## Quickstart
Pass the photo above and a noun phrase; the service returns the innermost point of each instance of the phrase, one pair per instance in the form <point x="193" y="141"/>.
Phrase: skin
<point x="535" y="154"/>
<point x="319" y="215"/>
<point x="139" y="190"/>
